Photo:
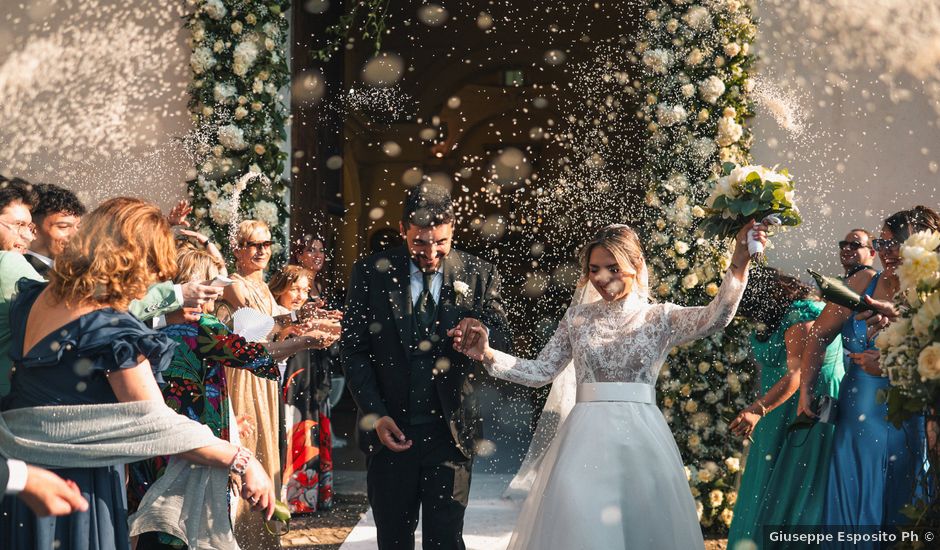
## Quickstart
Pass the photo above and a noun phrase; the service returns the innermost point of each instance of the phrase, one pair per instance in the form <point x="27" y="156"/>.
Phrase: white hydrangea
<point x="224" y="92"/>
<point x="267" y="212"/>
<point x="690" y="281"/>
<point x="658" y="60"/>
<point x="732" y="49"/>
<point x="201" y="60"/>
<point x="222" y="212"/>
<point x="687" y="90"/>
<point x="729" y="131"/>
<point x="244" y="57"/>
<point x="670" y="115"/>
<point x="711" y="89"/>
<point x="232" y="137"/>
<point x="215" y="9"/>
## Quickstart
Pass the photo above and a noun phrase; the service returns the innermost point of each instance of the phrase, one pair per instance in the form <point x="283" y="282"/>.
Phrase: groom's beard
<point x="424" y="263"/>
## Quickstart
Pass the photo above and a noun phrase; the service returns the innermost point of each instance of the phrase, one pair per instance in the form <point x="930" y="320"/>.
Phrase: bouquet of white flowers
<point x="745" y="193"/>
<point x="910" y="347"/>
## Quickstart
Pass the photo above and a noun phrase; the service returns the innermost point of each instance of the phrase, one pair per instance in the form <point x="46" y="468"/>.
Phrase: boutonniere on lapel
<point x="461" y="288"/>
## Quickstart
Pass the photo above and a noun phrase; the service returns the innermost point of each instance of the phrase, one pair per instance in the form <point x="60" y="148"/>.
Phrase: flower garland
<point x="695" y="60"/>
<point x="239" y="65"/>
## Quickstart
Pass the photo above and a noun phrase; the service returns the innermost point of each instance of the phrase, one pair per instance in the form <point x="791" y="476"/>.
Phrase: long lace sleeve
<point x="538" y="372"/>
<point x="691" y="323"/>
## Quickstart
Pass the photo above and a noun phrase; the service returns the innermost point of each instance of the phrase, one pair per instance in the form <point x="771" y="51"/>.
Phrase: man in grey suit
<point x="419" y="422"/>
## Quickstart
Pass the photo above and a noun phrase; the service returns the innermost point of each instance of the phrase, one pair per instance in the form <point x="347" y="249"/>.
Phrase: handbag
<point x="825" y="407"/>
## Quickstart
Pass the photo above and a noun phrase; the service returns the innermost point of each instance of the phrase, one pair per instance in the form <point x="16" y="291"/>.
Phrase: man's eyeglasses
<point x="23" y="228"/>
<point x="258" y="245"/>
<point x="851" y="245"/>
<point x="882" y="245"/>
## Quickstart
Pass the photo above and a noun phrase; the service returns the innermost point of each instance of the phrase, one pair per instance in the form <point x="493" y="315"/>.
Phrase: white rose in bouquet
<point x="695" y="57"/>
<point x="711" y="89"/>
<point x="232" y="137"/>
<point x="920" y="262"/>
<point x="928" y="362"/>
<point x="893" y="335"/>
<point x="732" y="49"/>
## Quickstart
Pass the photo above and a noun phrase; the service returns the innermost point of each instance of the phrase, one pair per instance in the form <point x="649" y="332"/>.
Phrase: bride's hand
<point x="470" y="339"/>
<point x="741" y="256"/>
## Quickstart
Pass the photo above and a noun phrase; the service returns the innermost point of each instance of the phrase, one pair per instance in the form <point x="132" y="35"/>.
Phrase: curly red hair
<point x="122" y="247"/>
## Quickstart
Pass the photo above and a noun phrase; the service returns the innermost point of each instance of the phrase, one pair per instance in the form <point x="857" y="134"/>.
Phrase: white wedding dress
<point x="612" y="477"/>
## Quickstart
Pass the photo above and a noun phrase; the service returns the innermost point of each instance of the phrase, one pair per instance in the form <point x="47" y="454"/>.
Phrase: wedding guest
<point x="785" y="475"/>
<point x="254" y="399"/>
<point x="16" y="233"/>
<point x="308" y="458"/>
<point x="875" y="467"/>
<point x="194" y="384"/>
<point x="856" y="253"/>
<point x="75" y="346"/>
<point x="56" y="214"/>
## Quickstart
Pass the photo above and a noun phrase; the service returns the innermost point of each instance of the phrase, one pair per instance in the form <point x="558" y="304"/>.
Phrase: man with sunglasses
<point x="856" y="252"/>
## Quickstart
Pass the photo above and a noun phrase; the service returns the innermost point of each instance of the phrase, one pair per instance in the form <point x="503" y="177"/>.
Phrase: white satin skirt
<point x="612" y="479"/>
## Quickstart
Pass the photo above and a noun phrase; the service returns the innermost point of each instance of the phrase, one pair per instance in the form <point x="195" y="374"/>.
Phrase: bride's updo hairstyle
<point x="121" y="248"/>
<point x="623" y="244"/>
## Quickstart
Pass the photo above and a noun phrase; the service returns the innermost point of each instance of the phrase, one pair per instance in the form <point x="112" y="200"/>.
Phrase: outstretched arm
<point x="535" y="373"/>
<point x="691" y="323"/>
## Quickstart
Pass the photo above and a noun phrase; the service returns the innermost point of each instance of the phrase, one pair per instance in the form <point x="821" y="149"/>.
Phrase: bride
<point x="612" y="478"/>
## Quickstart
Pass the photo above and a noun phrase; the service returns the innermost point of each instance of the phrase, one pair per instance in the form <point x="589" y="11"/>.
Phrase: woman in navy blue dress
<point x="875" y="467"/>
<point x="73" y="343"/>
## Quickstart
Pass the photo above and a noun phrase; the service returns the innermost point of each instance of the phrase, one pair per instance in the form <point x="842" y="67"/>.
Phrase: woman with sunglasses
<point x="875" y="467"/>
<point x="255" y="400"/>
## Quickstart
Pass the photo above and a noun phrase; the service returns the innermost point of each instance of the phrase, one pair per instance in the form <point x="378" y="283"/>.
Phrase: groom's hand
<point x="390" y="435"/>
<point x="467" y="334"/>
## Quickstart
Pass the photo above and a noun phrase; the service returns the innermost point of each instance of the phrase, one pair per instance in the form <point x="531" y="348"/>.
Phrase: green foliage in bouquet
<point x="744" y="193"/>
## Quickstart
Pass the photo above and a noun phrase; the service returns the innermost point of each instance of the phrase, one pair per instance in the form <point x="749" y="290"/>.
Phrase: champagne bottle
<point x="835" y="291"/>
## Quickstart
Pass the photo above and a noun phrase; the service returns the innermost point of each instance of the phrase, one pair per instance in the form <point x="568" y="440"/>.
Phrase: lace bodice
<point x="620" y="341"/>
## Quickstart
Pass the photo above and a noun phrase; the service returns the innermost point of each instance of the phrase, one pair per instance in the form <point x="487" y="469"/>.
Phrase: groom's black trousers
<point x="432" y="476"/>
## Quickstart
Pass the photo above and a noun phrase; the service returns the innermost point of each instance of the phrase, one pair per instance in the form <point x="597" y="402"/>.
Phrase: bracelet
<point x="763" y="408"/>
<point x="240" y="461"/>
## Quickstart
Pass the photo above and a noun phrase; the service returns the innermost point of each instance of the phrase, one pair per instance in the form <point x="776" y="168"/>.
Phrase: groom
<point x="418" y="418"/>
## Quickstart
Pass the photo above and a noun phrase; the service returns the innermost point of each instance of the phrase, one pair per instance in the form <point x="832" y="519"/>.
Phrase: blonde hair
<point x="622" y="242"/>
<point x="196" y="264"/>
<point x="245" y="229"/>
<point x="282" y="280"/>
<point x="120" y="249"/>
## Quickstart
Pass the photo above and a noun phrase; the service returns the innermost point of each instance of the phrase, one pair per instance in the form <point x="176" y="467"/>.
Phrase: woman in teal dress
<point x="875" y="467"/>
<point x="784" y="476"/>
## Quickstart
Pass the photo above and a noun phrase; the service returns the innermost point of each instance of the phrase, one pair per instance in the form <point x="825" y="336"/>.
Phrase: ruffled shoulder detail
<point x="107" y="340"/>
<point x="801" y="311"/>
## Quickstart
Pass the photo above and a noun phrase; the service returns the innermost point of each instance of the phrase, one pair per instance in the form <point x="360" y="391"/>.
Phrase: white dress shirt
<point x="417" y="284"/>
<point x="18" y="475"/>
<point x="44" y="259"/>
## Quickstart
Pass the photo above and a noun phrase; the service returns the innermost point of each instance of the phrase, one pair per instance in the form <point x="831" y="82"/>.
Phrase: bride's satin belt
<point x="634" y="392"/>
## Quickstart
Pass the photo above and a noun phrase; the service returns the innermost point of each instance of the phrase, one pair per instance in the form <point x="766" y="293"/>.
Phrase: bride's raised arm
<point x="691" y="323"/>
<point x="535" y="373"/>
<point x="687" y="324"/>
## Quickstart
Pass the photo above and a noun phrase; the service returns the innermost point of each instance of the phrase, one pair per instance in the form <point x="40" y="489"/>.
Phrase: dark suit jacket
<point x="40" y="266"/>
<point x="377" y="334"/>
